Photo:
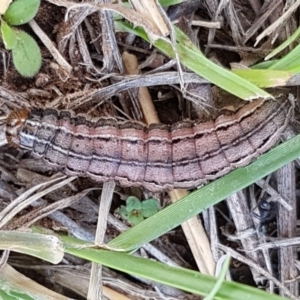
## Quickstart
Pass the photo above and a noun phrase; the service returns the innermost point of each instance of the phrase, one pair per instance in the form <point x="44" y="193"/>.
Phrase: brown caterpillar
<point x="158" y="157"/>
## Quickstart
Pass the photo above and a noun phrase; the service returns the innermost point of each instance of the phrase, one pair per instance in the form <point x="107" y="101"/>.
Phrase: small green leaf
<point x="135" y="219"/>
<point x="8" y="36"/>
<point x="26" y="55"/>
<point x="133" y="203"/>
<point x="122" y="211"/>
<point x="150" y="207"/>
<point x="21" y="11"/>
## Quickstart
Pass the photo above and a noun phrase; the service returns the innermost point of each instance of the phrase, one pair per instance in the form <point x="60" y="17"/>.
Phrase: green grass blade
<point x="285" y="44"/>
<point x="167" y="3"/>
<point x="220" y="279"/>
<point x="264" y="65"/>
<point x="290" y="62"/>
<point x="13" y="293"/>
<point x="214" y="192"/>
<point x="192" y="58"/>
<point x="16" y="286"/>
<point x="190" y="281"/>
<point x="265" y="78"/>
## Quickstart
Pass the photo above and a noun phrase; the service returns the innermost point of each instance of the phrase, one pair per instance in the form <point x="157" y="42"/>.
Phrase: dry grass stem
<point x="95" y="287"/>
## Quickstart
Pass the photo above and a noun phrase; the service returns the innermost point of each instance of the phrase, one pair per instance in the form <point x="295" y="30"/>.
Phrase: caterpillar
<point x="157" y="157"/>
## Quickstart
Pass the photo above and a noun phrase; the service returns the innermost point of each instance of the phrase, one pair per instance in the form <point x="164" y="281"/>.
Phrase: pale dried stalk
<point x="150" y="9"/>
<point x="286" y="15"/>
<point x="241" y="216"/>
<point x="49" y="45"/>
<point x="258" y="269"/>
<point x="4" y="5"/>
<point x="148" y="109"/>
<point x="95" y="287"/>
<point x="113" y="295"/>
<point x="25" y="199"/>
<point x="131" y="15"/>
<point x="197" y="238"/>
<point x="286" y="228"/>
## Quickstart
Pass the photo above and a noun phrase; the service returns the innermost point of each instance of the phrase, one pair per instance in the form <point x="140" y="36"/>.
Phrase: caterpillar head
<point x="14" y="124"/>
